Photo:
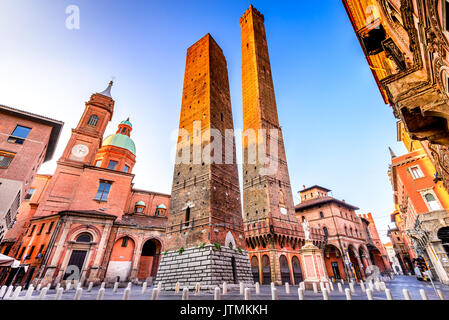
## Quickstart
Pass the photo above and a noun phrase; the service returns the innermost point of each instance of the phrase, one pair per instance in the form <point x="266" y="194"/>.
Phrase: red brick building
<point x="86" y="221"/>
<point x="26" y="141"/>
<point x="347" y="252"/>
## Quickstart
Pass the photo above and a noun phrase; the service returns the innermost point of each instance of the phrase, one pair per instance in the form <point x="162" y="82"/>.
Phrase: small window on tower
<point x="19" y="134"/>
<point x="126" y="168"/>
<point x="93" y="120"/>
<point x="112" y="164"/>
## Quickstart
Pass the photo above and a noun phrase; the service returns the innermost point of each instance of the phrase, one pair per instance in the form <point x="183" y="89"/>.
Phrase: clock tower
<point x="87" y="136"/>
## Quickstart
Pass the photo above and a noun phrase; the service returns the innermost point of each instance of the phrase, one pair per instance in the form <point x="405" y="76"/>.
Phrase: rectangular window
<point x="19" y="134"/>
<point x="5" y="159"/>
<point x="98" y="163"/>
<point x="126" y="169"/>
<point x="30" y="253"/>
<point x="125" y="242"/>
<point x="112" y="164"/>
<point x="416" y="172"/>
<point x="41" y="248"/>
<point x="42" y="228"/>
<point x="29" y="194"/>
<point x="103" y="191"/>
<point x="32" y="230"/>
<point x="50" y="227"/>
<point x="21" y="253"/>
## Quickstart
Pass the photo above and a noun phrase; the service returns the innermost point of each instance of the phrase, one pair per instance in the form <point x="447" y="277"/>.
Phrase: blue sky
<point x="335" y="124"/>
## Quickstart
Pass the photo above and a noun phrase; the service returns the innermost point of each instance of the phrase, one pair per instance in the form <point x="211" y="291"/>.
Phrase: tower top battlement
<point x="252" y="10"/>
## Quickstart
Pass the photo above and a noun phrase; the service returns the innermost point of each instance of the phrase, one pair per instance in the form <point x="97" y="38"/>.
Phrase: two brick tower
<point x="205" y="236"/>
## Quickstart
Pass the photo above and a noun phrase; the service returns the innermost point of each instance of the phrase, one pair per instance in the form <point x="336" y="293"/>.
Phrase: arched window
<point x="187" y="216"/>
<point x="321" y="214"/>
<point x="350" y="229"/>
<point x="326" y="233"/>
<point x="93" y="120"/>
<point x="346" y="230"/>
<point x="84" y="237"/>
<point x="432" y="202"/>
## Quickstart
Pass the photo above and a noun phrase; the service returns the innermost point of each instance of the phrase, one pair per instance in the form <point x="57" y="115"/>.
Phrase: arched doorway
<point x="376" y="257"/>
<point x="297" y="272"/>
<point x="149" y="259"/>
<point x="333" y="262"/>
<point x="120" y="263"/>
<point x="355" y="265"/>
<point x="77" y="258"/>
<point x="255" y="268"/>
<point x="266" y="270"/>
<point x="285" y="270"/>
<point x="443" y="235"/>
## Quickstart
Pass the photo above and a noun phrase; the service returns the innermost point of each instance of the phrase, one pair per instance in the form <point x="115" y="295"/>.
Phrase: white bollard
<point x="423" y="294"/>
<point x="78" y="293"/>
<point x="38" y="288"/>
<point x="257" y="288"/>
<point x="383" y="286"/>
<point x="440" y="294"/>
<point x="342" y="281"/>
<point x="8" y="292"/>
<point x="59" y="293"/>
<point x="351" y="287"/>
<point x="126" y="294"/>
<point x="89" y="288"/>
<point x="102" y="285"/>
<point x="197" y="289"/>
<point x="321" y="286"/>
<point x="247" y="293"/>
<point x="3" y="291"/>
<point x="177" y="287"/>
<point x="272" y="285"/>
<point x="371" y="286"/>
<point x="144" y="287"/>
<point x="287" y="288"/>
<point x="225" y="288"/>
<point x="68" y="285"/>
<point x="328" y="287"/>
<point x="43" y="294"/>
<point x="76" y="284"/>
<point x="332" y="286"/>
<point x="217" y="293"/>
<point x="129" y="285"/>
<point x="315" y="287"/>
<point x="348" y="294"/>
<point x="274" y="294"/>
<point x="325" y="294"/>
<point x="369" y="294"/>
<point x="115" y="287"/>
<point x="159" y="286"/>
<point x="58" y="285"/>
<point x="185" y="294"/>
<point x="302" y="285"/>
<point x="16" y="293"/>
<point x="388" y="294"/>
<point x="242" y="288"/>
<point x="406" y="294"/>
<point x="340" y="288"/>
<point x="301" y="294"/>
<point x="29" y="292"/>
<point x="155" y="294"/>
<point x="362" y="286"/>
<point x="100" y="295"/>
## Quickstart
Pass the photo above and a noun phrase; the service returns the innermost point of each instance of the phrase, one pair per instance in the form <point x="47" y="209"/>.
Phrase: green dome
<point x="126" y="122"/>
<point x="121" y="141"/>
<point x="141" y="203"/>
<point x="161" y="206"/>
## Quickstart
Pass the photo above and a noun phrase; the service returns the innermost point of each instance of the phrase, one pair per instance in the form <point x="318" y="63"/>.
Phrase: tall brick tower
<point x="273" y="233"/>
<point x="204" y="235"/>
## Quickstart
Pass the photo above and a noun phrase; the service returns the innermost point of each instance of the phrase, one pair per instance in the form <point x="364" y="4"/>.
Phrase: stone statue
<point x="306" y="227"/>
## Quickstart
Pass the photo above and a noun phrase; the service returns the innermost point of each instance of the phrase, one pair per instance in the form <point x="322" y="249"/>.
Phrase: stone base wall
<point x="208" y="266"/>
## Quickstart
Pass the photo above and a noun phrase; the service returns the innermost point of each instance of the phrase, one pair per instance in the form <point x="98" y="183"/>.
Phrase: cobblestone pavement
<point x="396" y="286"/>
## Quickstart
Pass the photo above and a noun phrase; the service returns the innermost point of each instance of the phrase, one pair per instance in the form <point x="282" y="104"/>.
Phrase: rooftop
<point x="323" y="200"/>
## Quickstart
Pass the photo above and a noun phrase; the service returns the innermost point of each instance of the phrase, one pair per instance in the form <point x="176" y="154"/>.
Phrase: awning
<point x="7" y="261"/>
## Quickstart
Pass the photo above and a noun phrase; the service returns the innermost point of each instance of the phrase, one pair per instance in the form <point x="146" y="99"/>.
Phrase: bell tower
<point x="87" y="136"/>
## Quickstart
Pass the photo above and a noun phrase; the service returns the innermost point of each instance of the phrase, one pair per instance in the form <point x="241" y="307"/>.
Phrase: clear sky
<point x="336" y="127"/>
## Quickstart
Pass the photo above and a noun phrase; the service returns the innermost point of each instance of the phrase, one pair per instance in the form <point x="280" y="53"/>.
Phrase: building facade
<point x="26" y="141"/>
<point x="86" y="222"/>
<point x="349" y="246"/>
<point x="392" y="256"/>
<point x="406" y="44"/>
<point x="422" y="201"/>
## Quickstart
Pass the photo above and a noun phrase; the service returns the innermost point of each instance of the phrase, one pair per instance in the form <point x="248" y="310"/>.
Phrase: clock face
<point x="80" y="150"/>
